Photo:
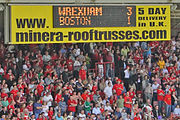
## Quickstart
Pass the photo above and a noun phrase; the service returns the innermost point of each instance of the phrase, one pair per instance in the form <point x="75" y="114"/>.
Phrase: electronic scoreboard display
<point x="94" y="16"/>
<point x="37" y="24"/>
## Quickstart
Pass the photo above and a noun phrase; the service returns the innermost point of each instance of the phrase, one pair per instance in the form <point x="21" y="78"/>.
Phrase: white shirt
<point x="47" y="99"/>
<point x="177" y="111"/>
<point x="96" y="110"/>
<point x="155" y="87"/>
<point x="108" y="91"/>
<point x="126" y="72"/>
<point x="45" y="108"/>
<point x="71" y="117"/>
<point x="107" y="81"/>
<point x="25" y="67"/>
<point x="77" y="52"/>
<point x="82" y="116"/>
<point x="1" y="71"/>
<point x="165" y="71"/>
<point x="108" y="108"/>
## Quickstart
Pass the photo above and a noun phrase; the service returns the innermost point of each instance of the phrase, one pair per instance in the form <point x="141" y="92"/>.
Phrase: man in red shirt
<point x="160" y="98"/>
<point x="69" y="63"/>
<point x="82" y="73"/>
<point x="118" y="88"/>
<point x="72" y="105"/>
<point x="40" y="88"/>
<point x="127" y="103"/>
<point x="167" y="101"/>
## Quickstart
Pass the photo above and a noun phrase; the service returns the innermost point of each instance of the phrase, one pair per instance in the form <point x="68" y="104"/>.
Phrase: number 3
<point x="129" y="13"/>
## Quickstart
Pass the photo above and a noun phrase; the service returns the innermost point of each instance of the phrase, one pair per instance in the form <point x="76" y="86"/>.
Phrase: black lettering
<point x="77" y="36"/>
<point x="151" y="11"/>
<point x="45" y="36"/>
<point x="30" y="35"/>
<point x="59" y="36"/>
<point x="144" y="34"/>
<point x="152" y="34"/>
<point x="114" y="35"/>
<point x="96" y="35"/>
<point x="128" y="35"/>
<point x="21" y="36"/>
<point x="70" y="36"/>
<point x="136" y="35"/>
<point x="37" y="34"/>
<point x="140" y="11"/>
<point x="121" y="35"/>
<point x="163" y="10"/>
<point x="85" y="35"/>
<point x="52" y="36"/>
<point x="100" y="35"/>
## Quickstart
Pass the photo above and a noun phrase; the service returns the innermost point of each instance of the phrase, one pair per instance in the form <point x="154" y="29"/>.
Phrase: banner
<point x="89" y="23"/>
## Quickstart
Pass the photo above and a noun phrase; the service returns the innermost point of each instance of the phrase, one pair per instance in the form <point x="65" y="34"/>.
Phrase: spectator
<point x="96" y="109"/>
<point x="37" y="108"/>
<point x="52" y="75"/>
<point x="167" y="100"/>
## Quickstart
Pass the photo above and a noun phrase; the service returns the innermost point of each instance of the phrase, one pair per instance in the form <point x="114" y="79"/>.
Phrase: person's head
<point x="88" y="99"/>
<point x="148" y="101"/>
<point x="65" y="114"/>
<point x="177" y="106"/>
<point x="127" y="94"/>
<point x="173" y="93"/>
<point x="59" y="114"/>
<point x="160" y="87"/>
<point x="155" y="82"/>
<point x="156" y="107"/>
<point x="96" y="105"/>
<point x="70" y="114"/>
<point x="82" y="111"/>
<point x="109" y="84"/>
<point x="38" y="101"/>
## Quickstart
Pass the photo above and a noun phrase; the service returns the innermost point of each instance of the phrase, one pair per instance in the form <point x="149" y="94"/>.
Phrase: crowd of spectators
<point x="132" y="81"/>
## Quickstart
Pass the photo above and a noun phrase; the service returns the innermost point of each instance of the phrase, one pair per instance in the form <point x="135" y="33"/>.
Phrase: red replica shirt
<point x="117" y="88"/>
<point x="30" y="108"/>
<point x="132" y="94"/>
<point x="14" y="92"/>
<point x="58" y="98"/>
<point x="84" y="96"/>
<point x="20" y="86"/>
<point x="40" y="88"/>
<point x="94" y="89"/>
<point x="172" y="90"/>
<point x="69" y="64"/>
<point x="137" y="118"/>
<point x="127" y="99"/>
<point x="70" y="107"/>
<point x="82" y="74"/>
<point x="11" y="107"/>
<point x="160" y="97"/>
<point x="102" y="110"/>
<point x="4" y="95"/>
<point x="167" y="99"/>
<point x="50" y="115"/>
